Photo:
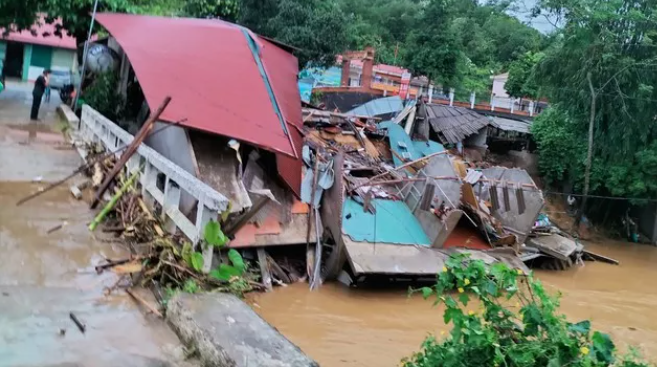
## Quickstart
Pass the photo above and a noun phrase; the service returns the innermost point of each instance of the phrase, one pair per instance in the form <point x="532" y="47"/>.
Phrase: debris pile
<point x="158" y="258"/>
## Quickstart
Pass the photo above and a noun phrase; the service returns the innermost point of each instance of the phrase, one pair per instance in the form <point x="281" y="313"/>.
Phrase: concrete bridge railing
<point x="162" y="181"/>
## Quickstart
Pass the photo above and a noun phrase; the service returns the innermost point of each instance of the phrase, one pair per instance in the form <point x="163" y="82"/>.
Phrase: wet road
<point x="338" y="326"/>
<point x="44" y="277"/>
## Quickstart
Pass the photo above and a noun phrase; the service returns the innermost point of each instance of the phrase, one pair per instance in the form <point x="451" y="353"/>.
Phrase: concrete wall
<point x="64" y="59"/>
<point x="499" y="81"/>
<point x="173" y="143"/>
<point x="478" y="140"/>
<point x="519" y="224"/>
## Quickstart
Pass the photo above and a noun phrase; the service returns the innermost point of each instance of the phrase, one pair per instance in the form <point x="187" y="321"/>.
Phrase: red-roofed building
<point x="27" y="53"/>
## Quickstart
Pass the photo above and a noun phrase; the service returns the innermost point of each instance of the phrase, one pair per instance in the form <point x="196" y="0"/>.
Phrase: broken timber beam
<point x="139" y="138"/>
<point x="264" y="268"/>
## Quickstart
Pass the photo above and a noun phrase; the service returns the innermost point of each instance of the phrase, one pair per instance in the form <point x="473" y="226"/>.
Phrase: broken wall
<point x="514" y="222"/>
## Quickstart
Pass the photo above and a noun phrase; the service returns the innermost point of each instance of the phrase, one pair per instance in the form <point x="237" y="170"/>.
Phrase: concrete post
<point x="531" y="108"/>
<point x="430" y="93"/>
<point x="492" y="104"/>
<point x="346" y="68"/>
<point x="203" y="216"/>
<point x="451" y="97"/>
<point x="473" y="96"/>
<point x="147" y="180"/>
<point x="513" y="105"/>
<point x="171" y="202"/>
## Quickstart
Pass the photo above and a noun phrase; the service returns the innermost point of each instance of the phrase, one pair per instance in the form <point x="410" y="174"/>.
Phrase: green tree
<point x="225" y="9"/>
<point x="315" y="27"/>
<point x="600" y="74"/>
<point x="432" y="49"/>
<point x="521" y="82"/>
<point x="18" y="14"/>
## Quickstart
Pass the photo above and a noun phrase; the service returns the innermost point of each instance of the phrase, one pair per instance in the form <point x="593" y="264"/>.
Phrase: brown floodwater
<point x="338" y="326"/>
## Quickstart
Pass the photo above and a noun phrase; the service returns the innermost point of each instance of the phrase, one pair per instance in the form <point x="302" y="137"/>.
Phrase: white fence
<point x="162" y="181"/>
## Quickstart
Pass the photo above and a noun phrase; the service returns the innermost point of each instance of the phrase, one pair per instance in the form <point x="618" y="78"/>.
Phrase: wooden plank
<point x="555" y="245"/>
<point x="379" y="258"/>
<point x="264" y="268"/>
<point x="143" y="132"/>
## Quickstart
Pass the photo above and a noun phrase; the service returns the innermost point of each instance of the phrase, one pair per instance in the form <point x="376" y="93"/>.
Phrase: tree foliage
<point x="613" y="41"/>
<point x="516" y="323"/>
<point x="432" y="50"/>
<point x="522" y="82"/>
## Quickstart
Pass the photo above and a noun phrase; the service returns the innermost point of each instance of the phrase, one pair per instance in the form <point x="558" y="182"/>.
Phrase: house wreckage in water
<point x="367" y="198"/>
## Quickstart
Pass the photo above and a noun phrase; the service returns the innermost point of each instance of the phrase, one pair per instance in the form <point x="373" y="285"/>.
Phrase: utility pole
<point x="589" y="154"/>
<point x="85" y="51"/>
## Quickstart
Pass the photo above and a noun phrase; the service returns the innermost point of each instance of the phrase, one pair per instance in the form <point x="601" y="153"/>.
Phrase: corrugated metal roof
<point x="453" y="124"/>
<point x="512" y="125"/>
<point x="217" y="81"/>
<point x="379" y="106"/>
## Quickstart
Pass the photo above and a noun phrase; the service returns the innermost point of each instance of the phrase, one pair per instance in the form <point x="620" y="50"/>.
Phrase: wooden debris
<point x="112" y="263"/>
<point x="150" y="308"/>
<point x="132" y="148"/>
<point x="277" y="271"/>
<point x="82" y="327"/>
<point x="128" y="268"/>
<point x="264" y="268"/>
<point x="114" y="200"/>
<point x="597" y="257"/>
<point x="76" y="192"/>
<point x="57" y="227"/>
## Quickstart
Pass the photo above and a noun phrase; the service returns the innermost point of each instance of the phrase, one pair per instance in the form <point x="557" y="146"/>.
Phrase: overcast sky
<point x="524" y="14"/>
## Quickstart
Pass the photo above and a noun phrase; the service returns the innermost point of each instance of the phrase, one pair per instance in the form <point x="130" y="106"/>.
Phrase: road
<point x="44" y="277"/>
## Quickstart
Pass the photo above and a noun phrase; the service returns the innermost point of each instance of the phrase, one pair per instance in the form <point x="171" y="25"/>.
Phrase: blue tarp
<point x="379" y="106"/>
<point x="392" y="223"/>
<point x="402" y="144"/>
<point x="426" y="148"/>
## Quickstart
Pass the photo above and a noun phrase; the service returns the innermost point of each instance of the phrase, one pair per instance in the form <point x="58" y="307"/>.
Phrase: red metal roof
<point x="44" y="34"/>
<point x="210" y="72"/>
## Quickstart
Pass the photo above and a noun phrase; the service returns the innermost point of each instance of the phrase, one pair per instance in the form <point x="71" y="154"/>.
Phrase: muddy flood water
<point x="338" y="326"/>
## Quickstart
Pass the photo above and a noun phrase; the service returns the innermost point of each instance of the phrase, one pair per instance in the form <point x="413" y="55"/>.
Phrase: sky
<point x="523" y="13"/>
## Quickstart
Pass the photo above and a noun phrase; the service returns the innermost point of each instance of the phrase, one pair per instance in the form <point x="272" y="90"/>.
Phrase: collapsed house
<point x="212" y="127"/>
<point x="367" y="196"/>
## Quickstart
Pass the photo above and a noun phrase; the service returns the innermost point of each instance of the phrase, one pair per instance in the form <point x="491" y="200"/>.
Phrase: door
<point x="41" y="56"/>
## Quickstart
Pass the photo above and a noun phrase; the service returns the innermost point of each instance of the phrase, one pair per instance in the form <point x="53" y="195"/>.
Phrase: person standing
<point x="37" y="94"/>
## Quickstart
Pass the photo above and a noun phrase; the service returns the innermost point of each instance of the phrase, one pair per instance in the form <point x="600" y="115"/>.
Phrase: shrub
<point x="517" y="325"/>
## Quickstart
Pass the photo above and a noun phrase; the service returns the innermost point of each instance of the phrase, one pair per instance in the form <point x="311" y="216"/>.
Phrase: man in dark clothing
<point x="37" y="93"/>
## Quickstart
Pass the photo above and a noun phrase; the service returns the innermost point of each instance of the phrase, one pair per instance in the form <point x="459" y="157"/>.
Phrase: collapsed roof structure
<point x="216" y="72"/>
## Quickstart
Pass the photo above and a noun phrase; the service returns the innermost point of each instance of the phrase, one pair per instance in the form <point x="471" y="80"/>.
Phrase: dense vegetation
<point x="500" y="317"/>
<point x="599" y="74"/>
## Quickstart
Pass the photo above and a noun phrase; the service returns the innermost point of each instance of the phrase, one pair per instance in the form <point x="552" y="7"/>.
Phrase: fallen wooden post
<point x="264" y="268"/>
<point x="132" y="148"/>
<point x="152" y="309"/>
<point x="78" y="323"/>
<point x="114" y="200"/>
<point x="598" y="257"/>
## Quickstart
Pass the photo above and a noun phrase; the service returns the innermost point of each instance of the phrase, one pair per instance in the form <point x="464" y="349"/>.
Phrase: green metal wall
<point x="41" y="56"/>
<point x="3" y="52"/>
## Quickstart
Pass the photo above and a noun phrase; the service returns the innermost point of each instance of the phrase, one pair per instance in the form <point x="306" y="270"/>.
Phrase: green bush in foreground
<point x="515" y="323"/>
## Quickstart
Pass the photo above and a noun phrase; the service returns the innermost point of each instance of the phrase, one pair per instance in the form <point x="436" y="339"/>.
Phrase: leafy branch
<point x="514" y="325"/>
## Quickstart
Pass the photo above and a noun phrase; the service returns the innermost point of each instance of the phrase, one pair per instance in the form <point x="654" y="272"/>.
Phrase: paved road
<point x="44" y="277"/>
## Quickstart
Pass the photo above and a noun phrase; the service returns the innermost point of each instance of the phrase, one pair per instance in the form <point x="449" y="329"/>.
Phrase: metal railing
<point x="162" y="181"/>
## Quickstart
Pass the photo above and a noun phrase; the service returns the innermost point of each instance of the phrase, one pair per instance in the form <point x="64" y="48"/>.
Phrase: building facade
<point x="24" y="55"/>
